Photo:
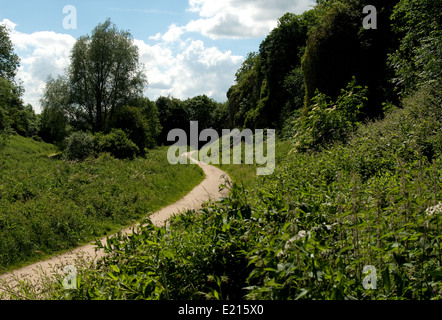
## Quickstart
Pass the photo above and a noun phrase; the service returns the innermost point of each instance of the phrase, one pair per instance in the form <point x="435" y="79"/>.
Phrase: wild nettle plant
<point x="387" y="228"/>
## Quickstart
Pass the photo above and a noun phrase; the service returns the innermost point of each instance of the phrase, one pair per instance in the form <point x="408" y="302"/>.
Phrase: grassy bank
<point x="49" y="205"/>
<point x="243" y="174"/>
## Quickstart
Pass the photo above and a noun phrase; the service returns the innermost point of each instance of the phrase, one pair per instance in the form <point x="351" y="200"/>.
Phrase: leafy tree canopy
<point x="9" y="61"/>
<point x="104" y="73"/>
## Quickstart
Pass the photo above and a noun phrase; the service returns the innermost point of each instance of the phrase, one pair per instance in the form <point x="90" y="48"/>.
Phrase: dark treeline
<point x="318" y="58"/>
<point x="323" y="49"/>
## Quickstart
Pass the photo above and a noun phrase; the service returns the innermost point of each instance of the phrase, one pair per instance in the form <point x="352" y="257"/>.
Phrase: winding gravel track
<point x="207" y="190"/>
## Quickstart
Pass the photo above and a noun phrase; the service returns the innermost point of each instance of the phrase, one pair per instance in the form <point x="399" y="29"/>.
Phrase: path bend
<point x="207" y="190"/>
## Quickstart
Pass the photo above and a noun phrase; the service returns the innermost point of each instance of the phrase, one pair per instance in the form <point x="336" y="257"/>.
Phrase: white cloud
<point x="182" y="69"/>
<point x="193" y="70"/>
<point x="42" y="54"/>
<point x="173" y="34"/>
<point x="155" y="37"/>
<point x="237" y="19"/>
<point x="176" y="67"/>
<point x="9" y="24"/>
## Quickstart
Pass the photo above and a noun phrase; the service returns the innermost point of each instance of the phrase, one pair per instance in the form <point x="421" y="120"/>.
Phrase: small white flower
<point x="434" y="210"/>
<point x="301" y="234"/>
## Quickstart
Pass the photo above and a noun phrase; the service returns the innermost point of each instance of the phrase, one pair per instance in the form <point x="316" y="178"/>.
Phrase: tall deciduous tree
<point x="200" y="109"/>
<point x="54" y="126"/>
<point x="173" y="114"/>
<point x="13" y="113"/>
<point x="104" y="73"/>
<point x="9" y="61"/>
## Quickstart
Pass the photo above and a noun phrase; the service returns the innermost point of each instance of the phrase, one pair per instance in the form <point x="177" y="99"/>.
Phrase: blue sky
<point x="188" y="47"/>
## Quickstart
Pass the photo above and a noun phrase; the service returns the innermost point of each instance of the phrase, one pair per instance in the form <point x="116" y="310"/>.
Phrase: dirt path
<point x="205" y="191"/>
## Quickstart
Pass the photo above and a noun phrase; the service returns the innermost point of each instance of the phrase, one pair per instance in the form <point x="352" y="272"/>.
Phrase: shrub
<point x="79" y="146"/>
<point x="117" y="144"/>
<point x="132" y="121"/>
<point x="329" y="121"/>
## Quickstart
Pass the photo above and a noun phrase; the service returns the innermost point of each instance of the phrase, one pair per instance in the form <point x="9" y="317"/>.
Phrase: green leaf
<point x="437" y="275"/>
<point x="112" y="276"/>
<point x="303" y="293"/>
<point x="345" y="249"/>
<point x="167" y="254"/>
<point x="115" y="268"/>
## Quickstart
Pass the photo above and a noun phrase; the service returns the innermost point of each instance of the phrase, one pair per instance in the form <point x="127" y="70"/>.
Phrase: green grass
<point x="305" y="232"/>
<point x="48" y="205"/>
<point x="245" y="174"/>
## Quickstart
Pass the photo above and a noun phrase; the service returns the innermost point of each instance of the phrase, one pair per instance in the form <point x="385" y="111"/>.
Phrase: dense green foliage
<point x="418" y="58"/>
<point x="9" y="61"/>
<point x="15" y="116"/>
<point x="330" y="121"/>
<point x="101" y="92"/>
<point x="177" y="114"/>
<point x="305" y="232"/>
<point x="266" y="80"/>
<point x="79" y="146"/>
<point x="324" y="48"/>
<point x="48" y="205"/>
<point x="131" y="120"/>
<point x="357" y="183"/>
<point x="55" y="117"/>
<point x="118" y="144"/>
<point x="339" y="48"/>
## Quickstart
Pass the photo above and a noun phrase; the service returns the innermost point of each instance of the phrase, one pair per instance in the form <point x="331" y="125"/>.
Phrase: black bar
<point x="183" y="310"/>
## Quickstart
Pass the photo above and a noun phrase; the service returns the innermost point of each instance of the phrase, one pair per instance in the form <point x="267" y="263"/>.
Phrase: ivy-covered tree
<point x="280" y="54"/>
<point x="245" y="94"/>
<point x="265" y="84"/>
